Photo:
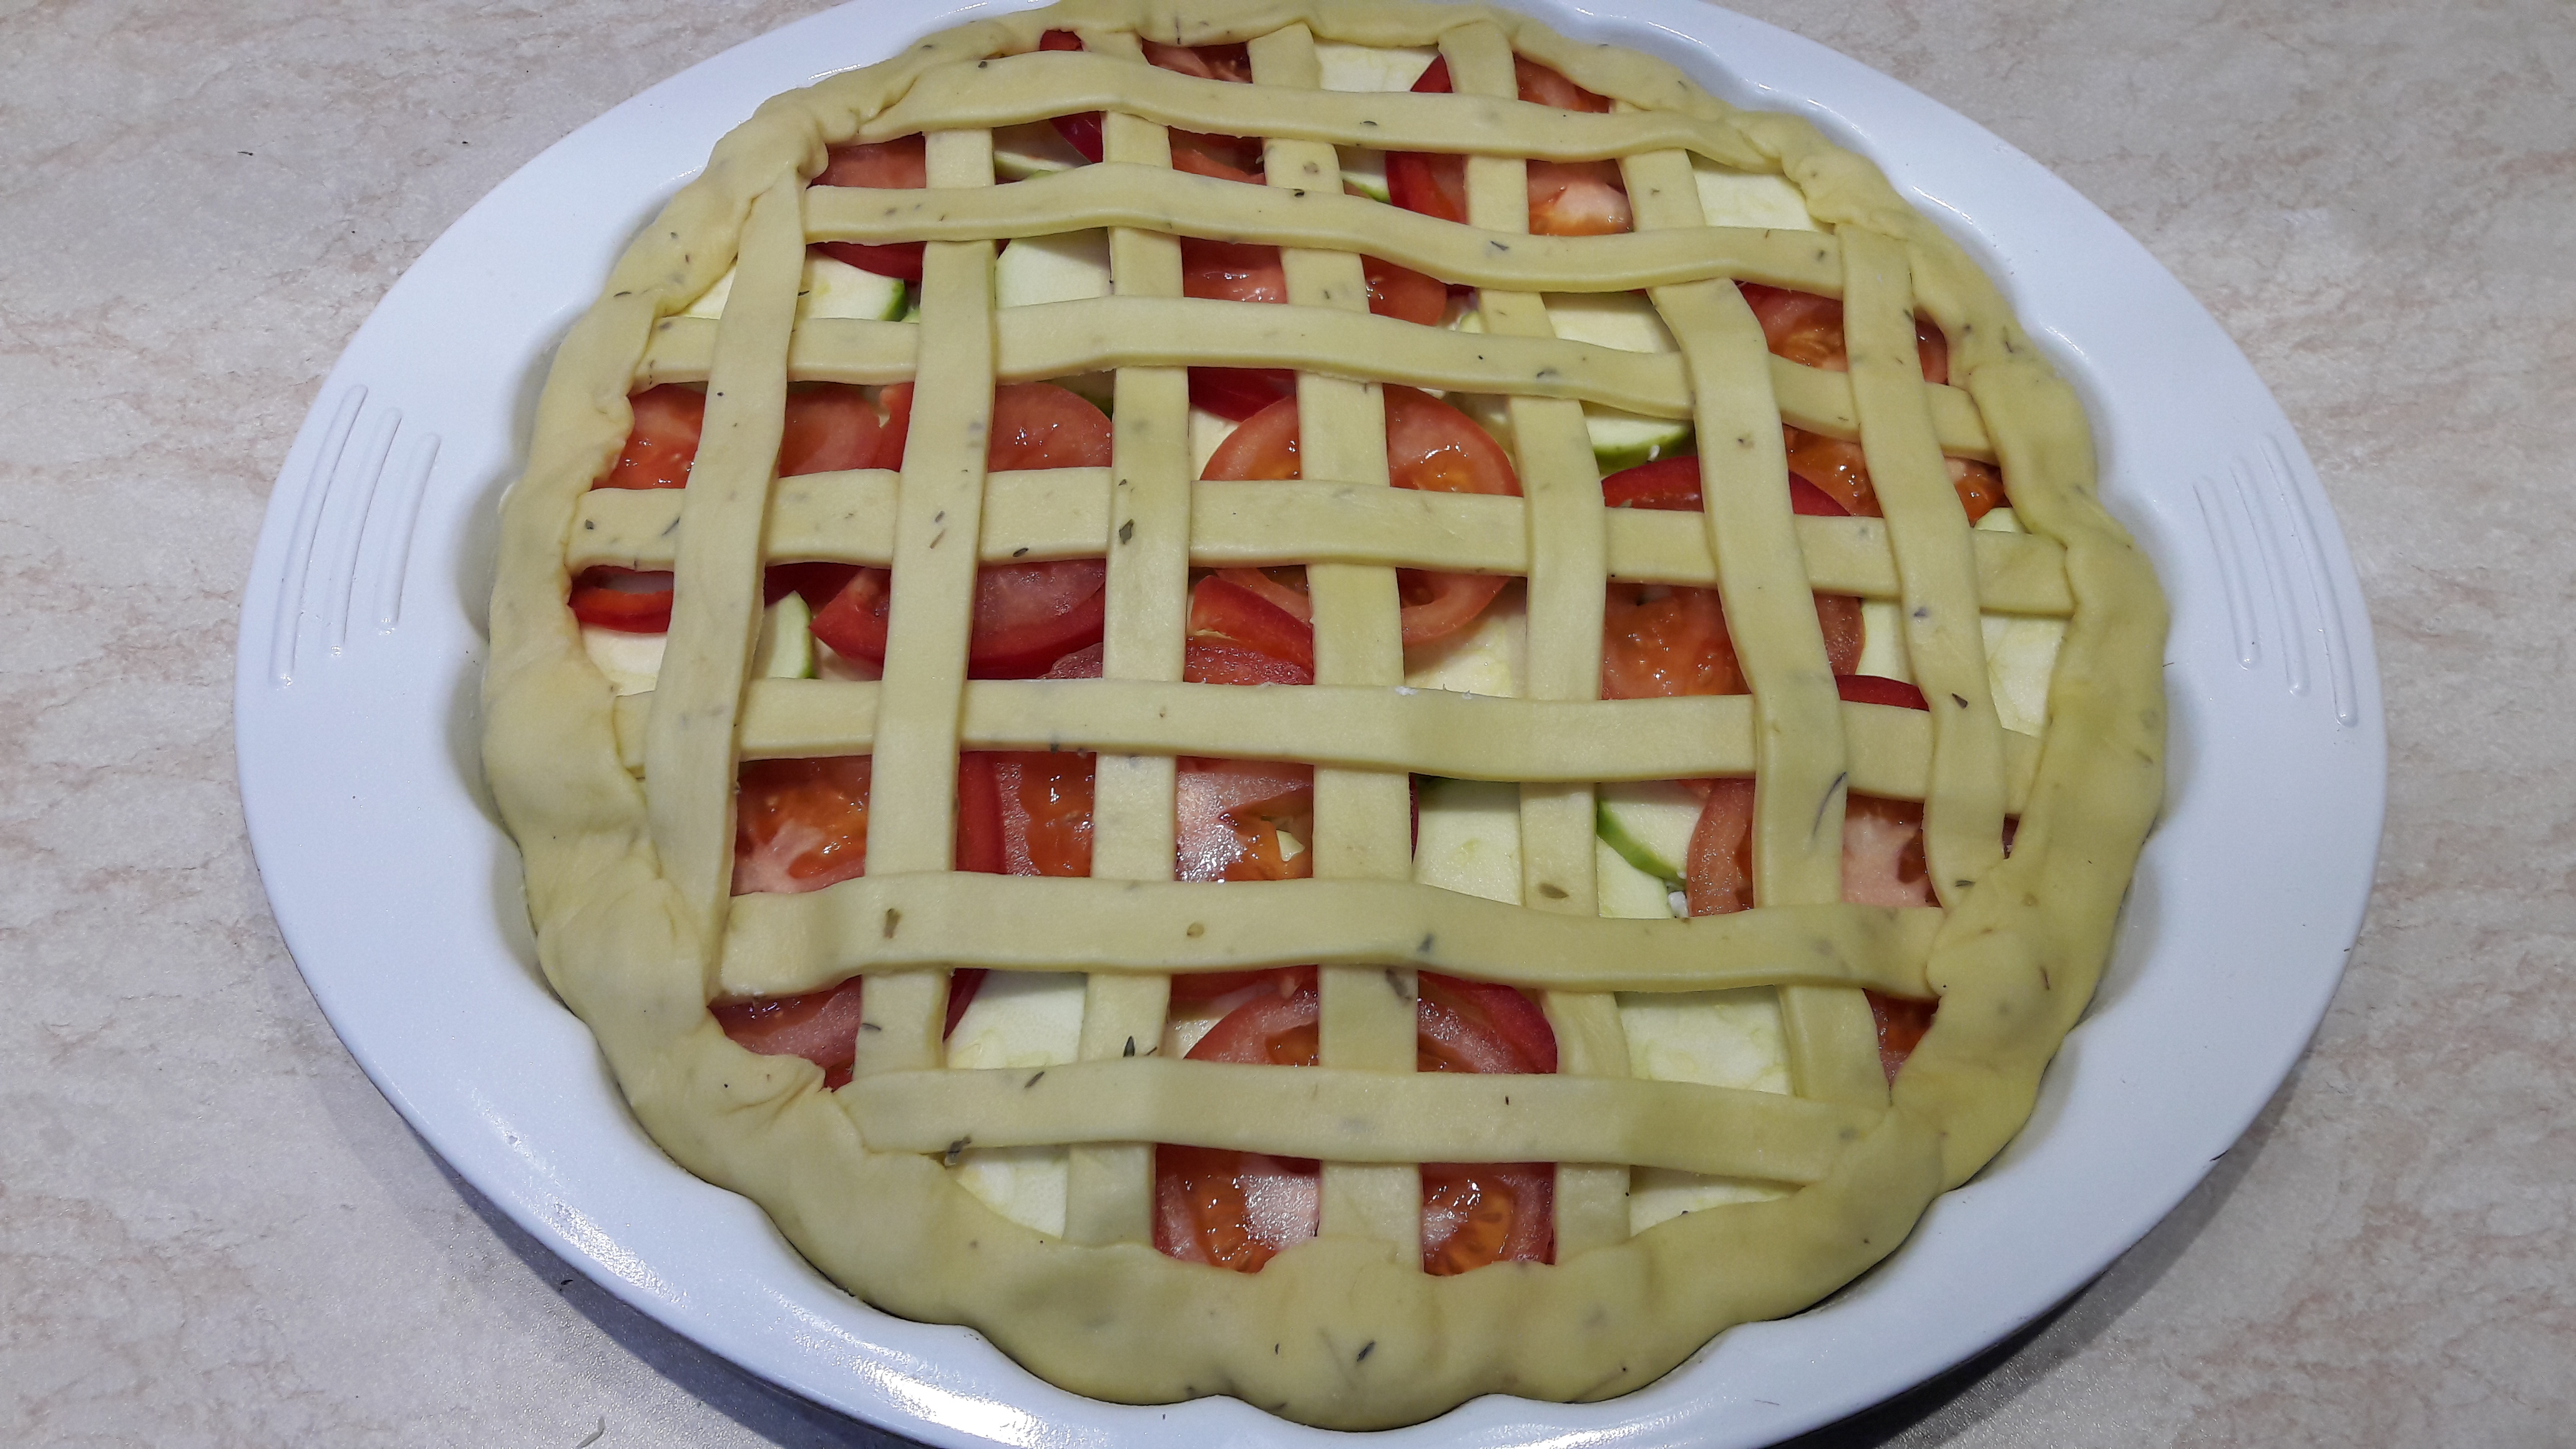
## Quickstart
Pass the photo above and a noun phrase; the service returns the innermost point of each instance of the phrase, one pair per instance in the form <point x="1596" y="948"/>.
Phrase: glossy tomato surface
<point x="1240" y="1209"/>
<point x="1027" y="615"/>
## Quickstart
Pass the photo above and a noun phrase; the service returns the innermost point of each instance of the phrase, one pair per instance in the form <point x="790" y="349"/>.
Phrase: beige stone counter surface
<point x="214" y="1231"/>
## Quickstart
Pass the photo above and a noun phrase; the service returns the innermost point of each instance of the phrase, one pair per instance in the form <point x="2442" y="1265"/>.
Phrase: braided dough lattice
<point x="623" y="807"/>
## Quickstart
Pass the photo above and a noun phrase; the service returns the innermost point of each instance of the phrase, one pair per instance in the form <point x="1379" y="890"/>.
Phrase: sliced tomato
<point x="1878" y="689"/>
<point x="1221" y="607"/>
<point x="1241" y="272"/>
<point x="1232" y="271"/>
<point x="800" y="825"/>
<point x="896" y="165"/>
<point x="1578" y="198"/>
<point x="1404" y="294"/>
<point x="1840" y="471"/>
<point x="1808" y="329"/>
<point x="1902" y="1021"/>
<point x="815" y="583"/>
<point x="1672" y="484"/>
<point x="1212" y="661"/>
<point x="1667" y="485"/>
<point x="1196" y="987"/>
<point x="1081" y="132"/>
<point x="1231" y="63"/>
<point x="662" y="444"/>
<point x="1228" y="158"/>
<point x="820" y="1026"/>
<point x="1883" y="853"/>
<point x="1035" y="425"/>
<point x="1477" y="1026"/>
<point x="1429" y="445"/>
<point x="1238" y="1210"/>
<point x="1044" y="799"/>
<point x="1839" y="617"/>
<point x="1244" y="820"/>
<point x="1207" y="661"/>
<point x="1566" y="198"/>
<point x="1718" y="877"/>
<point x="630" y="601"/>
<point x="1027" y="616"/>
<point x="823" y="1026"/>
<point x="1236" y="393"/>
<point x="1264" y="446"/>
<point x="828" y="428"/>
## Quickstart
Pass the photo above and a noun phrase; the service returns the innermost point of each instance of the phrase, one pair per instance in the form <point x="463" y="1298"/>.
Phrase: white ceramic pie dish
<point x="358" y="729"/>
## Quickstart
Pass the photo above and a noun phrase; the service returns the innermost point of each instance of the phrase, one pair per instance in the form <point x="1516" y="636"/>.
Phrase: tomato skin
<point x="1044" y="804"/>
<point x="1902" y="1021"/>
<point x="1264" y="446"/>
<point x="609" y="597"/>
<point x="1243" y="272"/>
<point x="1081" y="132"/>
<point x="896" y="165"/>
<point x="1840" y="471"/>
<point x="1672" y="485"/>
<point x="1027" y="616"/>
<point x="1883" y="863"/>
<point x="1877" y="689"/>
<point x="1235" y="820"/>
<point x="1236" y="393"/>
<point x="1806" y="328"/>
<point x="1238" y="1210"/>
<point x="1566" y="198"/>
<point x="828" y="429"/>
<point x="1404" y="294"/>
<point x="1222" y="607"/>
<point x="823" y="1026"/>
<point x="662" y="442"/>
<point x="1429" y="446"/>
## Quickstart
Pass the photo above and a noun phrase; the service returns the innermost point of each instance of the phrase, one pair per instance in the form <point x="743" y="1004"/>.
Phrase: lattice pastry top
<point x="625" y="806"/>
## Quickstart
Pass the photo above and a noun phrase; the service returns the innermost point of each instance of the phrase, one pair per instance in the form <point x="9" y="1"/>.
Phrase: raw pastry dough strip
<point x="1109" y="1187"/>
<point x="1056" y="339"/>
<point x="1363" y="818"/>
<point x="1381" y="1118"/>
<point x="715" y="612"/>
<point x="1568" y="565"/>
<point x="1171" y="202"/>
<point x="1058" y="513"/>
<point x="1431" y="732"/>
<point x="1012" y="90"/>
<point x="913" y="794"/>
<point x="1804" y="773"/>
<point x="783" y="945"/>
<point x="1340" y="1331"/>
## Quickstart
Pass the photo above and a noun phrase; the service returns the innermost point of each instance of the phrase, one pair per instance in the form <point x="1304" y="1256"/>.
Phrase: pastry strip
<point x="1362" y="817"/>
<point x="1431" y="732"/>
<point x="1109" y="1189"/>
<point x="1116" y="195"/>
<point x="715" y="607"/>
<point x="1056" y="339"/>
<point x="1804" y="775"/>
<point x="1336" y="1114"/>
<point x="1567" y="566"/>
<point x="1010" y="90"/>
<point x="912" y="804"/>
<point x="782" y="944"/>
<point x="1963" y="814"/>
<point x="1055" y="514"/>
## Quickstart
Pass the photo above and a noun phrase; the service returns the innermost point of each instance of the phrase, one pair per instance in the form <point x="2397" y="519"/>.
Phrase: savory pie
<point x="1697" y="654"/>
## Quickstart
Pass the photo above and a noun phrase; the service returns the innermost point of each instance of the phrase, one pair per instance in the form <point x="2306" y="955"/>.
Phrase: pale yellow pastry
<point x="623" y="806"/>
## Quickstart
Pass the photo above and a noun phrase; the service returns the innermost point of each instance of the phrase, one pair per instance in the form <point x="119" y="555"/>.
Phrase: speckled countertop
<point x="213" y="1231"/>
